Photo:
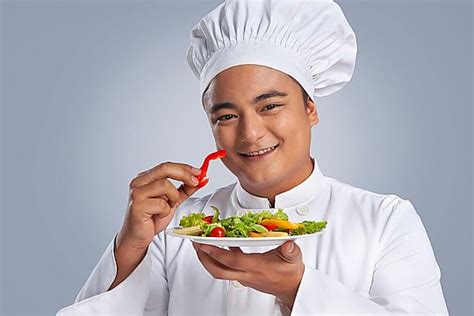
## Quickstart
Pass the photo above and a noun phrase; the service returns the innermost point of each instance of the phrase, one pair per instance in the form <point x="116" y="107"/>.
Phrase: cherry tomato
<point x="218" y="232"/>
<point x="270" y="227"/>
<point x="208" y="218"/>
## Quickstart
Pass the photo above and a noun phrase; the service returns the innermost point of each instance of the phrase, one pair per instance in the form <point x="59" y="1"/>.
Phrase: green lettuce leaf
<point x="259" y="228"/>
<point x="309" y="227"/>
<point x="215" y="218"/>
<point x="235" y="227"/>
<point x="280" y="214"/>
<point x="193" y="219"/>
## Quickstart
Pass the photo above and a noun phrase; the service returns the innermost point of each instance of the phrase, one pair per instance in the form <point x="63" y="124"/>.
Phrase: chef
<point x="262" y="65"/>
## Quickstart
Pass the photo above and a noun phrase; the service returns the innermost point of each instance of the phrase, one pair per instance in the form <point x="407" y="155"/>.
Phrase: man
<point x="261" y="64"/>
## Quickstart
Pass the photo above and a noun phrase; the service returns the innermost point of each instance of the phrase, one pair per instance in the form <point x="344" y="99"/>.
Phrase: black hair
<point x="303" y="91"/>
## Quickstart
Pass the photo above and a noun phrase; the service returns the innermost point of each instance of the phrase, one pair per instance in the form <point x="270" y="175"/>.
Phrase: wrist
<point x="123" y="242"/>
<point x="127" y="258"/>
<point x="289" y="296"/>
<point x="129" y="251"/>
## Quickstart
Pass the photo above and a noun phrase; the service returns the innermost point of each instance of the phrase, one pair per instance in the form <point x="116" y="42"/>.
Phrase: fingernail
<point x="194" y="180"/>
<point x="196" y="171"/>
<point x="290" y="249"/>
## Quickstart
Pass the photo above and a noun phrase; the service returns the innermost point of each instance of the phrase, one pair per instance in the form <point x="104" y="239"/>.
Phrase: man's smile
<point x="259" y="154"/>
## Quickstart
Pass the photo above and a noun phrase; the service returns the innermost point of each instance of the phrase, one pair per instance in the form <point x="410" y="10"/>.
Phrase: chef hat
<point x="309" y="40"/>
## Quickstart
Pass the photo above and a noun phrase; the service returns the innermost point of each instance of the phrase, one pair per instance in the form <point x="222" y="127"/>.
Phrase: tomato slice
<point x="208" y="218"/>
<point x="218" y="232"/>
<point x="270" y="226"/>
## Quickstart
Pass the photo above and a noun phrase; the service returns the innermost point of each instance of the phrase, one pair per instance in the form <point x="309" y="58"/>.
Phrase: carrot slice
<point x="280" y="223"/>
<point x="275" y="234"/>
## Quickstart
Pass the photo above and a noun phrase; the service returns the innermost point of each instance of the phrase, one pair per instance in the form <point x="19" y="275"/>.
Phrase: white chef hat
<point x="309" y="40"/>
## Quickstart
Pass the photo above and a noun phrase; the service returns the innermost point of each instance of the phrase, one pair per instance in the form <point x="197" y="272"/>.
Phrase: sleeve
<point x="406" y="277"/>
<point x="144" y="292"/>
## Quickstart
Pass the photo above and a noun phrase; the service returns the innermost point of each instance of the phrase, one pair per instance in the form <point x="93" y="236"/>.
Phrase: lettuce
<point x="193" y="219"/>
<point x="309" y="227"/>
<point x="215" y="218"/>
<point x="259" y="228"/>
<point x="280" y="214"/>
<point x="236" y="227"/>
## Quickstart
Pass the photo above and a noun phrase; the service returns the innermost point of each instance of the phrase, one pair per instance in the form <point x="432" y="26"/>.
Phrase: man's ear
<point x="312" y="112"/>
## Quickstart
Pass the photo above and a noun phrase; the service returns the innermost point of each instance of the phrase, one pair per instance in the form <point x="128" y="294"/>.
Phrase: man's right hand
<point x="153" y="200"/>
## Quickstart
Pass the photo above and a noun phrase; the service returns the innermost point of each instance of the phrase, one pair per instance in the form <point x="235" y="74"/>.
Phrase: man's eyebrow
<point x="270" y="94"/>
<point x="219" y="106"/>
<point x="227" y="105"/>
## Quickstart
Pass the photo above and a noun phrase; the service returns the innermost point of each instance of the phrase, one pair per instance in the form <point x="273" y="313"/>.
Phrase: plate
<point x="239" y="242"/>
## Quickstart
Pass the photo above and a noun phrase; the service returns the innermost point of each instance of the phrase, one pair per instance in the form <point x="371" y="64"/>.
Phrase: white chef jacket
<point x="373" y="258"/>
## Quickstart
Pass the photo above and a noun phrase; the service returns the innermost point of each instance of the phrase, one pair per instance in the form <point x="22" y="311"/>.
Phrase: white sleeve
<point x="143" y="292"/>
<point x="406" y="277"/>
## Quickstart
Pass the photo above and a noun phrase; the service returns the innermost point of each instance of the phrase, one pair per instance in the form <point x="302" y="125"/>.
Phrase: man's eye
<point x="271" y="107"/>
<point x="225" y="117"/>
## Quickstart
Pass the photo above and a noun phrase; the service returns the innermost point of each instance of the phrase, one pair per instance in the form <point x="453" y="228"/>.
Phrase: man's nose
<point x="251" y="128"/>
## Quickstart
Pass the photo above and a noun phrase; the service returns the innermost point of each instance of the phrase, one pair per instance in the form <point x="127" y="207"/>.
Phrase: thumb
<point x="289" y="251"/>
<point x="185" y="191"/>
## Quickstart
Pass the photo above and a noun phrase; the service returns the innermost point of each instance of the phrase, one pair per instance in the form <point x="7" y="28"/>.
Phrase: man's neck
<point x="270" y="192"/>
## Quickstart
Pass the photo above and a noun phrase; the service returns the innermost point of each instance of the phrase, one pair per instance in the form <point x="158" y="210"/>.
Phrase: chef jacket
<point x="373" y="258"/>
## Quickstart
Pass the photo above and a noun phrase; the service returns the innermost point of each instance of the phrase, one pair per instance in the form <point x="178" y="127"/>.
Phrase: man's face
<point x="253" y="108"/>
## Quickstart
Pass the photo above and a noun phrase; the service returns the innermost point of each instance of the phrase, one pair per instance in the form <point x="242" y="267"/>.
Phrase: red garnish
<point x="208" y="218"/>
<point x="270" y="227"/>
<point x="205" y="166"/>
<point x="218" y="232"/>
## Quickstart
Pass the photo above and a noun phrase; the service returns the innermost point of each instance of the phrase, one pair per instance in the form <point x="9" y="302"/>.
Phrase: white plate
<point x="239" y="242"/>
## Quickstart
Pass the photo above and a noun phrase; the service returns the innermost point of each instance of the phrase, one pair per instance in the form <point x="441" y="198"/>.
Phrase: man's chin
<point x="257" y="182"/>
<point x="259" y="176"/>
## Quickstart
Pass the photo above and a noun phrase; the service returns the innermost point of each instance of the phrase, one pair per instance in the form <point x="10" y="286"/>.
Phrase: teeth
<point x="261" y="151"/>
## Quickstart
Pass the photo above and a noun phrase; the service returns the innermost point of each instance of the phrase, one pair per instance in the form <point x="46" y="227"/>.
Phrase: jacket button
<point x="302" y="210"/>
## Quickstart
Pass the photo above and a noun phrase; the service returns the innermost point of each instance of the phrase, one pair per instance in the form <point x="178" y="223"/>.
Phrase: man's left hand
<point x="277" y="272"/>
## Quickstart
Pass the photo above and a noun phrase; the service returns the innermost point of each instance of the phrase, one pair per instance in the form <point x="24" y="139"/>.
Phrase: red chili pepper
<point x="205" y="166"/>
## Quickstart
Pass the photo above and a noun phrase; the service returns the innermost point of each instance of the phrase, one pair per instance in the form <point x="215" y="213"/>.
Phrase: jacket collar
<point x="298" y="195"/>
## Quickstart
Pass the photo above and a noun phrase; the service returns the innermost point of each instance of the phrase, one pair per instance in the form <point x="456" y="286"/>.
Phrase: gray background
<point x="93" y="92"/>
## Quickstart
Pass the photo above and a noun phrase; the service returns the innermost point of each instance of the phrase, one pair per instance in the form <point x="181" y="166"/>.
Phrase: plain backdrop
<point x="93" y="92"/>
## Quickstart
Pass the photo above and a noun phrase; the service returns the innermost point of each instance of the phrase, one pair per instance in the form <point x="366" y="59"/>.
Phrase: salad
<point x="252" y="224"/>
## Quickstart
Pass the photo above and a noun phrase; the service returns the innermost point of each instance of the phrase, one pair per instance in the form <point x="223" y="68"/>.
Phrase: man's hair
<point x="305" y="97"/>
<point x="303" y="91"/>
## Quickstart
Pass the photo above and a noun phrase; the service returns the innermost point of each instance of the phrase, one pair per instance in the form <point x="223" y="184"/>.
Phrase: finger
<point x="155" y="189"/>
<point x="177" y="171"/>
<point x="216" y="269"/>
<point x="289" y="251"/>
<point x="232" y="259"/>
<point x="236" y="249"/>
<point x="144" y="209"/>
<point x="203" y="182"/>
<point x="185" y="191"/>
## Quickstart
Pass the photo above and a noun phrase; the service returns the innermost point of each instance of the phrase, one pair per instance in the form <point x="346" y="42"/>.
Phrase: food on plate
<point x="251" y="224"/>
